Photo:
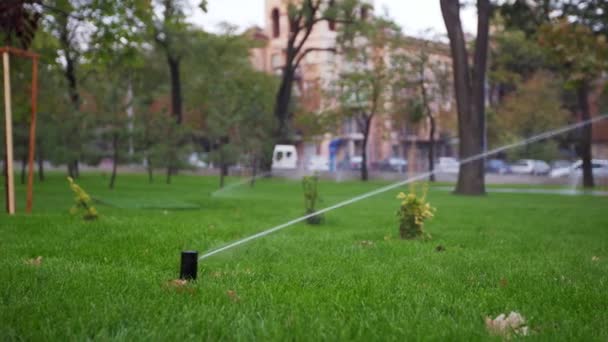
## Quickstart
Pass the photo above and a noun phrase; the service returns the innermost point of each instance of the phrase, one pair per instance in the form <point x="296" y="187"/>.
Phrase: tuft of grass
<point x="350" y="279"/>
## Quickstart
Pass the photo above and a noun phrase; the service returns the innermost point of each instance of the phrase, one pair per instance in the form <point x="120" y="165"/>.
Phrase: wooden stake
<point x="32" y="147"/>
<point x="8" y="120"/>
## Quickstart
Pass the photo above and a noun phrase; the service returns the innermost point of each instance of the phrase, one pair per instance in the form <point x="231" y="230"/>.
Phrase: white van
<point x="285" y="157"/>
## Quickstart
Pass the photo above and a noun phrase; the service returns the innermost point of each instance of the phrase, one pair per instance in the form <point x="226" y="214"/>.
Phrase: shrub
<point x="82" y="203"/>
<point x="412" y="213"/>
<point x="311" y="196"/>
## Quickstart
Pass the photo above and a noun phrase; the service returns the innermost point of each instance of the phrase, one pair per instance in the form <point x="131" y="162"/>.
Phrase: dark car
<point x="497" y="166"/>
<point x="392" y="165"/>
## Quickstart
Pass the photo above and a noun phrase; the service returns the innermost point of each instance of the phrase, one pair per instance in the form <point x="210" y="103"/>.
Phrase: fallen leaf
<point x="366" y="243"/>
<point x="503" y="282"/>
<point x="506" y="326"/>
<point x="178" y="282"/>
<point x="34" y="262"/>
<point x="180" y="286"/>
<point x="233" y="296"/>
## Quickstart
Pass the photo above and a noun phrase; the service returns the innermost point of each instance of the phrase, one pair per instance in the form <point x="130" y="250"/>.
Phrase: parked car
<point x="195" y="160"/>
<point x="448" y="165"/>
<point x="318" y="163"/>
<point x="530" y="167"/>
<point x="285" y="157"/>
<point x="393" y="165"/>
<point x="498" y="166"/>
<point x="356" y="162"/>
<point x="599" y="168"/>
<point x="560" y="169"/>
<point x="557" y="164"/>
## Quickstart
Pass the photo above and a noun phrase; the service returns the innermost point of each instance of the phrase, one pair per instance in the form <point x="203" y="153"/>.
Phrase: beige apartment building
<point x="388" y="137"/>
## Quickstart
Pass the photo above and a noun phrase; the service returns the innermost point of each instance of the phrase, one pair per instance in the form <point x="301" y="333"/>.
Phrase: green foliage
<point x="535" y="107"/>
<point x="514" y="58"/>
<point x="233" y="101"/>
<point x="83" y="205"/>
<point x="412" y="213"/>
<point x="580" y="55"/>
<point x="311" y="196"/>
<point x="361" y="91"/>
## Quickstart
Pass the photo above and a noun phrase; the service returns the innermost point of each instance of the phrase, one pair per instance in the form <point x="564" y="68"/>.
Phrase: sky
<point x="417" y="17"/>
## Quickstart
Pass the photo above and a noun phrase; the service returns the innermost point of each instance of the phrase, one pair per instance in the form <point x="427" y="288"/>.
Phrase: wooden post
<point x="10" y="183"/>
<point x="32" y="147"/>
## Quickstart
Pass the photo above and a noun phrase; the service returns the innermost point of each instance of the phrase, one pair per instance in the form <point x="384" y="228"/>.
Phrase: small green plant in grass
<point x="82" y="203"/>
<point x="311" y="196"/>
<point x="412" y="213"/>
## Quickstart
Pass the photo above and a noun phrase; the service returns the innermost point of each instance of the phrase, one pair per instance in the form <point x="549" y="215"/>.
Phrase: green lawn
<point x="349" y="279"/>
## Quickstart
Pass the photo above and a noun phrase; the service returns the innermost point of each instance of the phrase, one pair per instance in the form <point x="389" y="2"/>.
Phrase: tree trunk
<point x="114" y="160"/>
<point x="70" y="76"/>
<point x="586" y="132"/>
<point x="223" y="168"/>
<point x="254" y="169"/>
<point x="76" y="168"/>
<point x="470" y="93"/>
<point x="168" y="179"/>
<point x="281" y="108"/>
<point x="40" y="168"/>
<point x="176" y="88"/>
<point x="150" y="171"/>
<point x="71" y="170"/>
<point x="432" y="148"/>
<point x="366" y="131"/>
<point x="170" y="156"/>
<point x="429" y="114"/>
<point x="23" y="167"/>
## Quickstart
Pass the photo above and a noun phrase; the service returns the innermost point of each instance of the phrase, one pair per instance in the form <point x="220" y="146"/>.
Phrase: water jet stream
<point x="239" y="183"/>
<point x="533" y="139"/>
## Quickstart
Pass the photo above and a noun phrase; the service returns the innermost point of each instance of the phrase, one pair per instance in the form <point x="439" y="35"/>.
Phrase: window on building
<point x="276" y="23"/>
<point x="364" y="12"/>
<point x="395" y="150"/>
<point x="276" y="61"/>
<point x="332" y="23"/>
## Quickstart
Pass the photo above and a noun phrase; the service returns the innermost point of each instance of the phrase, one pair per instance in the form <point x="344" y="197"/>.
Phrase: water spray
<point x="361" y="197"/>
<point x="239" y="183"/>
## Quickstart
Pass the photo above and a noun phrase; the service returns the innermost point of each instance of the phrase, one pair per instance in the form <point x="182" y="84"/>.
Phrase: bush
<point x="82" y="203"/>
<point x="311" y="196"/>
<point x="412" y="213"/>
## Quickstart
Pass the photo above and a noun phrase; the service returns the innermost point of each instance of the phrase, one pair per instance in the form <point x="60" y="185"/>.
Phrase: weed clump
<point x="82" y="203"/>
<point x="311" y="196"/>
<point x="412" y="213"/>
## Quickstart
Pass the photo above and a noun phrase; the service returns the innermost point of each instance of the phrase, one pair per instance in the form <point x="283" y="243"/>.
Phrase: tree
<point x="426" y="85"/>
<point x="591" y="13"/>
<point x="469" y="85"/>
<point x="235" y="100"/>
<point x="66" y="24"/>
<point x="533" y="108"/>
<point x="18" y="22"/>
<point x="303" y="17"/>
<point x="166" y="22"/>
<point x="581" y="56"/>
<point x="150" y="122"/>
<point x="514" y="59"/>
<point x="527" y="15"/>
<point x="365" y="82"/>
<point x="578" y="21"/>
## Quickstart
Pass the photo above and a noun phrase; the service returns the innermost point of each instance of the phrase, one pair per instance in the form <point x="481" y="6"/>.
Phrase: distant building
<point x="387" y="137"/>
